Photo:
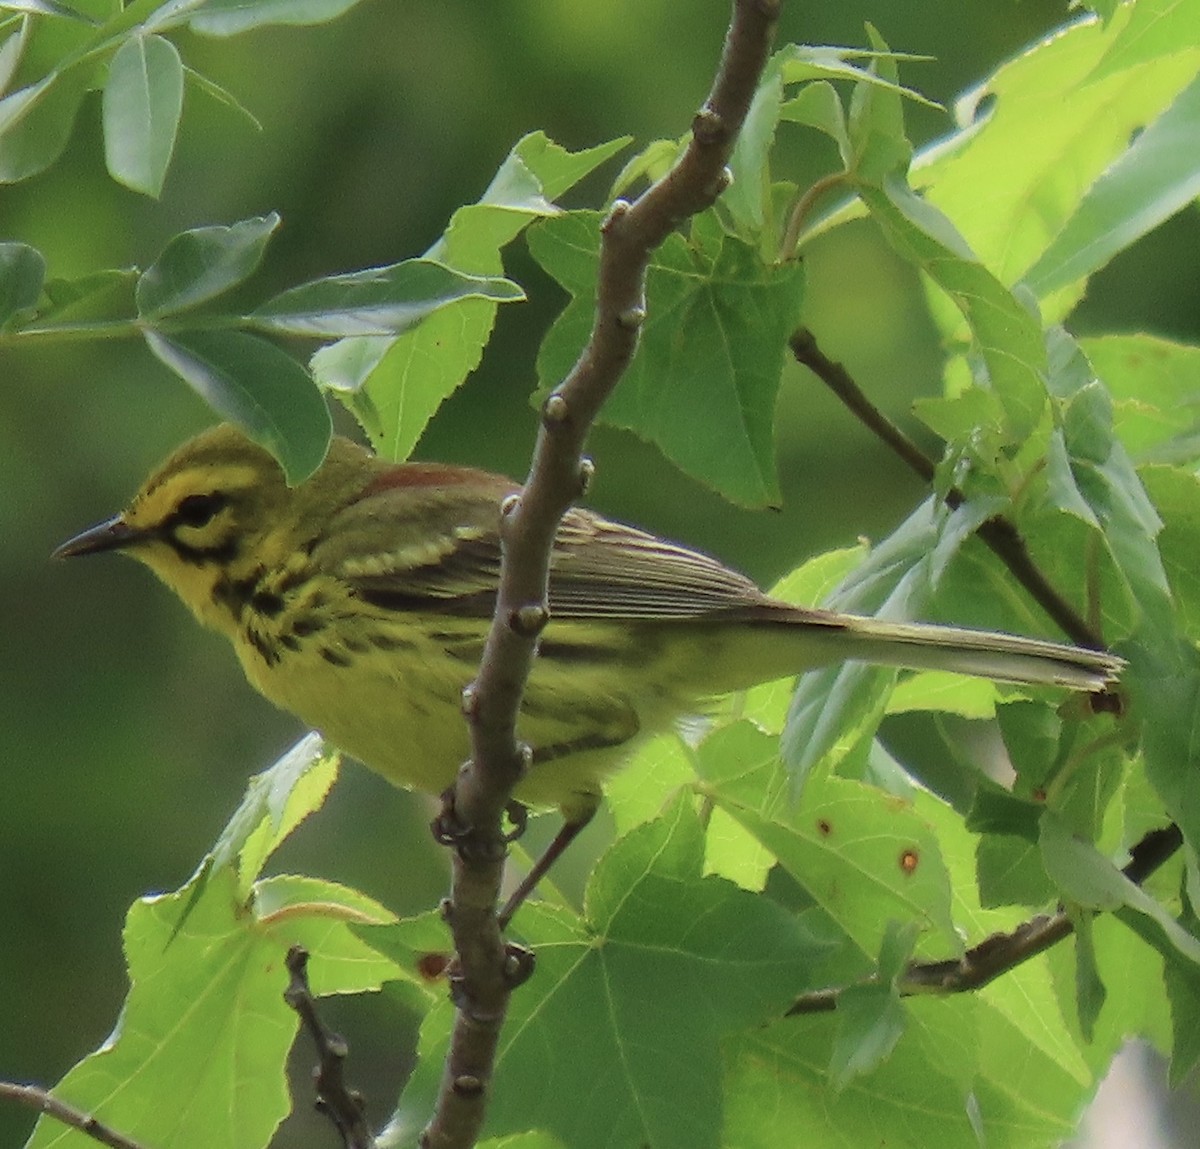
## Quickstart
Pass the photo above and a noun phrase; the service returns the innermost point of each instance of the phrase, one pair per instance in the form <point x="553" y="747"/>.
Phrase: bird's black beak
<point x="114" y="535"/>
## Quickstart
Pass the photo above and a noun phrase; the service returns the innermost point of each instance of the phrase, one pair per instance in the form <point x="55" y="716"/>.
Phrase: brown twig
<point x="44" y="1102"/>
<point x="1001" y="953"/>
<point x="342" y="1105"/>
<point x="998" y="532"/>
<point x="485" y="969"/>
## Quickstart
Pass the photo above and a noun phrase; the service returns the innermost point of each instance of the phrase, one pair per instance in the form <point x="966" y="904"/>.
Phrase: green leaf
<point x="1011" y="873"/>
<point x="1092" y="881"/>
<point x="878" y="143"/>
<point x="895" y="581"/>
<point x="22" y="272"/>
<point x="702" y="385"/>
<point x="1037" y="135"/>
<point x="1158" y="176"/>
<point x="12" y="49"/>
<point x="871" y="1018"/>
<point x="1182" y="981"/>
<point x="205" y="1023"/>
<point x="253" y="383"/>
<point x="1154" y="29"/>
<point x="143" y="100"/>
<point x="798" y="63"/>
<point x="817" y="105"/>
<point x="1164" y="683"/>
<point x="863" y="856"/>
<point x="276" y="802"/>
<point x="945" y="692"/>
<point x="47" y="8"/>
<point x="1090" y="476"/>
<point x="231" y="17"/>
<point x="36" y="122"/>
<point x="1090" y="993"/>
<point x="747" y="197"/>
<point x="1155" y="387"/>
<point x="101" y="295"/>
<point x="378" y="301"/>
<point x="394" y="387"/>
<point x="1008" y="336"/>
<point x="222" y="96"/>
<point x="200" y="264"/>
<point x="666" y="966"/>
<point x="1176" y="496"/>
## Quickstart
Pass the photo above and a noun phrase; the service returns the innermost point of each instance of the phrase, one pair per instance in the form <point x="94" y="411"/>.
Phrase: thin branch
<point x="45" y="1102"/>
<point x="343" y="1106"/>
<point x="1001" y="953"/>
<point x="999" y="533"/>
<point x="485" y="969"/>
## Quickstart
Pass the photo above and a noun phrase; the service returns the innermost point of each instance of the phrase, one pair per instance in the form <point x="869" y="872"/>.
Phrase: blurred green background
<point x="126" y="734"/>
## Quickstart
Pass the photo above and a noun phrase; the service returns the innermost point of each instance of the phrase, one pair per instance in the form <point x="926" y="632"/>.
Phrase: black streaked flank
<point x="266" y="603"/>
<point x="558" y="650"/>
<point x="383" y="641"/>
<point x="237" y="594"/>
<point x="263" y="645"/>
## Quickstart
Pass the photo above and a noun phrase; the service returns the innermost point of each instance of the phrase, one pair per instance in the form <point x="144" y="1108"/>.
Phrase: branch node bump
<point x="529" y="620"/>
<point x="556" y="410"/>
<point x="720" y="183"/>
<point x="519" y="964"/>
<point x="470" y="701"/>
<point x="587" y="472"/>
<point x="617" y="212"/>
<point x="509" y="505"/>
<point x="708" y="125"/>
<point x="632" y="318"/>
<point x="467" y="1085"/>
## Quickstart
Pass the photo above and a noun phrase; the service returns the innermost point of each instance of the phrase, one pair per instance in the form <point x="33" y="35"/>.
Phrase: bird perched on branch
<point x="360" y="600"/>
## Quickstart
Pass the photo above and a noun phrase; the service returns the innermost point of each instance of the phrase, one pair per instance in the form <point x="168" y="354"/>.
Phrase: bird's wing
<point x="599" y="569"/>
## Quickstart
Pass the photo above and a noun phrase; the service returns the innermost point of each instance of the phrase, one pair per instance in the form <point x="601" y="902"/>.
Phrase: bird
<point x="359" y="600"/>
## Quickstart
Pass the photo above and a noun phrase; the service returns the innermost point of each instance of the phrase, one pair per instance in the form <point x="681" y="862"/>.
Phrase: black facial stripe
<point x="220" y="553"/>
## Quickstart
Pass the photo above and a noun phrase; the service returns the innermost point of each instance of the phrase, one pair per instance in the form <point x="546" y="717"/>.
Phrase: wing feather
<point x="599" y="569"/>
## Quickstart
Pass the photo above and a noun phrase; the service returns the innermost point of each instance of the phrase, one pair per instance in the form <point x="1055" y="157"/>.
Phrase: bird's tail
<point x="790" y="640"/>
<point x="986" y="654"/>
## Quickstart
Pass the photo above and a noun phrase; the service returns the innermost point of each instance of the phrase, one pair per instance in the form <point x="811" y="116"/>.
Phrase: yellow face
<point x="214" y="513"/>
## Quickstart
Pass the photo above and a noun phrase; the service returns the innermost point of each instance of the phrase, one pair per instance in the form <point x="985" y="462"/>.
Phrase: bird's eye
<point x="199" y="510"/>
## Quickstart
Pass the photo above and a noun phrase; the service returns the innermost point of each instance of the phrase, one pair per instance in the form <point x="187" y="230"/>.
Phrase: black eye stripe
<point x="198" y="510"/>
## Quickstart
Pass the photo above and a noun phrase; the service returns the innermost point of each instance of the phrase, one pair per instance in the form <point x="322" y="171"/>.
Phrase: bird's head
<point x="215" y="513"/>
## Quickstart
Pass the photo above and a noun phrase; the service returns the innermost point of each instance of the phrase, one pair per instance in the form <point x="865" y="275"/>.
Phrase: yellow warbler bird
<point x="359" y="600"/>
